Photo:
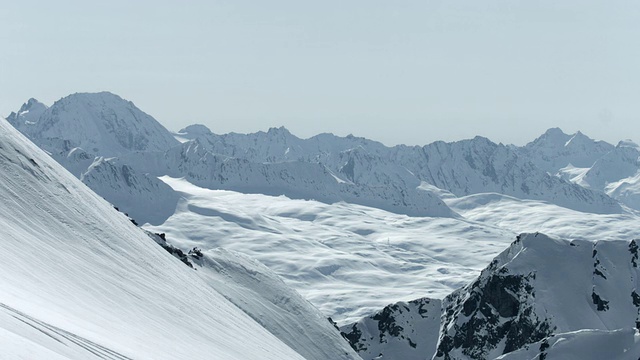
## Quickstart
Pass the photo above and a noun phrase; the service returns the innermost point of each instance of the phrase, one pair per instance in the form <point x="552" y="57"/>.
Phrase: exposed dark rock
<point x="636" y="298"/>
<point x="633" y="249"/>
<point x="496" y="309"/>
<point x="601" y="305"/>
<point x="196" y="253"/>
<point x="387" y="323"/>
<point x="354" y="337"/>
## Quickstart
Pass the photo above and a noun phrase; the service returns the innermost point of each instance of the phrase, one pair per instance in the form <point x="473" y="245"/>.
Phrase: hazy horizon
<point x="410" y="72"/>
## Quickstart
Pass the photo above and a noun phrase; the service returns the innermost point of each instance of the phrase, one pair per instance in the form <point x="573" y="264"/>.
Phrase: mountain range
<point x="391" y="242"/>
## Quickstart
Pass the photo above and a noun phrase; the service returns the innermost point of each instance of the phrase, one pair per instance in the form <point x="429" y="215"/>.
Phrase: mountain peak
<point x="28" y="114"/>
<point x="553" y="136"/>
<point x="195" y="129"/>
<point x="103" y="97"/>
<point x="278" y="131"/>
<point x="627" y="144"/>
<point x="102" y="123"/>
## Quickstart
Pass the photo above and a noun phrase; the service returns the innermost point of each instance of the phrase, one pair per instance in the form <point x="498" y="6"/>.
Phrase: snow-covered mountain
<point x="554" y="150"/>
<point x="102" y="124"/>
<point x="542" y="298"/>
<point x="294" y="179"/>
<point x="587" y="344"/>
<point x="462" y="168"/>
<point x="28" y="114"/>
<point x="539" y="287"/>
<point x="360" y="225"/>
<point x="80" y="281"/>
<point x="402" y="179"/>
<point x="401" y="331"/>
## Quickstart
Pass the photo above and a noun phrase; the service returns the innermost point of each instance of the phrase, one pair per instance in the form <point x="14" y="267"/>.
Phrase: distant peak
<point x="32" y="104"/>
<point x="278" y="130"/>
<point x="195" y="129"/>
<point x="481" y="140"/>
<point x="553" y="136"/>
<point x="627" y="144"/>
<point x="93" y="97"/>
<point x="554" y="131"/>
<point x="29" y="111"/>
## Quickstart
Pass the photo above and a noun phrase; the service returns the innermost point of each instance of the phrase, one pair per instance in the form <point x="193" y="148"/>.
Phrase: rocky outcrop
<point x="539" y="287"/>
<point x="401" y="331"/>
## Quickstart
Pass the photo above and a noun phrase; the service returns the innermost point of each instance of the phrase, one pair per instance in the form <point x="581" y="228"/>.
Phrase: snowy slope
<point x="80" y="281"/>
<point x="269" y="301"/>
<point x="541" y="286"/>
<point x="588" y="344"/>
<point x="351" y="261"/>
<point x="517" y="215"/>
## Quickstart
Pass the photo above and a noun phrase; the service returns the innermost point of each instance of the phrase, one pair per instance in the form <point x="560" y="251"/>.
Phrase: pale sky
<point x="395" y="71"/>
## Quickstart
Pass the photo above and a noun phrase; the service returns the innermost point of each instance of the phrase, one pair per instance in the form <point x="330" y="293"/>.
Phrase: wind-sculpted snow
<point x="80" y="281"/>
<point x="348" y="260"/>
<point x="538" y="287"/>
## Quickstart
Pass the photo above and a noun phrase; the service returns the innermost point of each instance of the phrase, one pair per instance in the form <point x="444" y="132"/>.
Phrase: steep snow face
<point x="541" y="286"/>
<point x="264" y="296"/>
<point x="80" y="281"/>
<point x="100" y="123"/>
<point x="401" y="331"/>
<point x="555" y="150"/>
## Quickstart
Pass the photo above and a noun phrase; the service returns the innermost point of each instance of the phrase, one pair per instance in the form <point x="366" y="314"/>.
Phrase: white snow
<point x="78" y="279"/>
<point x="351" y="260"/>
